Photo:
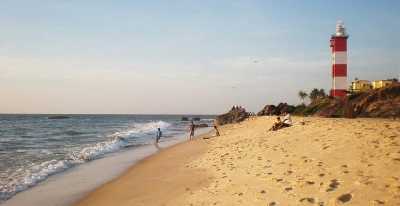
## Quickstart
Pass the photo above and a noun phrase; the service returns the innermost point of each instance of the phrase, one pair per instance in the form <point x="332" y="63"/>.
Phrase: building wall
<point x="360" y="86"/>
<point x="381" y="83"/>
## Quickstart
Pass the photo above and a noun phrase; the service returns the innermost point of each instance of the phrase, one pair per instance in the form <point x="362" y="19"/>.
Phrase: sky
<point x="183" y="57"/>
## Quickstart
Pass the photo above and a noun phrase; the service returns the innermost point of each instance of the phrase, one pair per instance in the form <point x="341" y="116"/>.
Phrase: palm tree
<point x="314" y="94"/>
<point x="303" y="95"/>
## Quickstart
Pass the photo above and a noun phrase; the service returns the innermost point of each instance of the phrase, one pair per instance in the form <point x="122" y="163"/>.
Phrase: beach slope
<point x="318" y="162"/>
<point x="156" y="180"/>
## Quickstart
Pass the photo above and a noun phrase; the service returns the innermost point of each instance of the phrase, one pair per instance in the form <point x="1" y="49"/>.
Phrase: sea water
<point x="34" y="148"/>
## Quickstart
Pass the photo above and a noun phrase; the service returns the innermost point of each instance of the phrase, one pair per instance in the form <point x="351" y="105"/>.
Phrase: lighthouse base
<point x="338" y="93"/>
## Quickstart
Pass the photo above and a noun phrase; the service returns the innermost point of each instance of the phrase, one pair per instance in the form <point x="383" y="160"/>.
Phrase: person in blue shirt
<point x="158" y="135"/>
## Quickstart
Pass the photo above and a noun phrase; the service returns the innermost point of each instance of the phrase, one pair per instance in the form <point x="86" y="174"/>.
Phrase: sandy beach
<point x="321" y="162"/>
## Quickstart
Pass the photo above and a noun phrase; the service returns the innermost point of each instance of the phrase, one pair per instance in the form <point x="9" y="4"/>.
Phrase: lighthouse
<point x="339" y="61"/>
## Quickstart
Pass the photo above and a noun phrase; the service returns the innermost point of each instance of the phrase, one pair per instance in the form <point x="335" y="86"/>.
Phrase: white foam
<point x="140" y="128"/>
<point x="39" y="172"/>
<point x="33" y="175"/>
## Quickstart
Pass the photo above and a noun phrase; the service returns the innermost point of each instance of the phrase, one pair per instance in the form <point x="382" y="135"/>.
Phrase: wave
<point x="142" y="128"/>
<point x="25" y="178"/>
<point x="31" y="177"/>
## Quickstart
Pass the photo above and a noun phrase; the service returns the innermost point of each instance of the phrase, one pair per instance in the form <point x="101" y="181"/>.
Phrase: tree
<point x="317" y="94"/>
<point x="321" y="93"/>
<point x="314" y="94"/>
<point x="302" y="94"/>
<point x="394" y="80"/>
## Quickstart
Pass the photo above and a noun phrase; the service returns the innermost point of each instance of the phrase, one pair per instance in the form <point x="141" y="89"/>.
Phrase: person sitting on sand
<point x="158" y="135"/>
<point x="277" y="124"/>
<point x="287" y="120"/>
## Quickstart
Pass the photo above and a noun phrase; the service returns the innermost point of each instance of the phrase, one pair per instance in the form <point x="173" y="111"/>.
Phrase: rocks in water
<point x="196" y="119"/>
<point x="58" y="117"/>
<point x="202" y="125"/>
<point x="236" y="114"/>
<point x="191" y="119"/>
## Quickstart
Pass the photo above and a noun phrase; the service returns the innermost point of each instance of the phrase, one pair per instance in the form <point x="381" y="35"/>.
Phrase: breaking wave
<point x="30" y="175"/>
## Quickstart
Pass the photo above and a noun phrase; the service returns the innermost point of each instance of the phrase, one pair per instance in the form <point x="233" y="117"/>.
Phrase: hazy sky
<point x="202" y="57"/>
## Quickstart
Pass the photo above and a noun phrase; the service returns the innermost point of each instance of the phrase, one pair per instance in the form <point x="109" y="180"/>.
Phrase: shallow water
<point x="34" y="148"/>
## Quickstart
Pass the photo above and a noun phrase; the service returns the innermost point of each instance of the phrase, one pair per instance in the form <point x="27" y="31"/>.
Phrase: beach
<point x="317" y="161"/>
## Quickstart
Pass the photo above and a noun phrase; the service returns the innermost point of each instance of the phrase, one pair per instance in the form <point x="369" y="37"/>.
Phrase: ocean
<point x="34" y="147"/>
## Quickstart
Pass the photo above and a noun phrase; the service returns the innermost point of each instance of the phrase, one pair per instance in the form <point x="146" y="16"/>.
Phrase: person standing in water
<point x="191" y="130"/>
<point x="158" y="135"/>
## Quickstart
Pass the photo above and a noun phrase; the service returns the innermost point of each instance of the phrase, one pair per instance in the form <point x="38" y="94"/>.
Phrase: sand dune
<point x="323" y="162"/>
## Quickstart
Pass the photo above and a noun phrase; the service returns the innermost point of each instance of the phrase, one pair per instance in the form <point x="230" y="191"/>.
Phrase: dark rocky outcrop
<point x="233" y="116"/>
<point x="384" y="102"/>
<point x="267" y="110"/>
<point x="195" y="118"/>
<point x="276" y="110"/>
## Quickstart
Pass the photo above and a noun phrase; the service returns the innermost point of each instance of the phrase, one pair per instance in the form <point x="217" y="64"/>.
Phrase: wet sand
<point x="323" y="162"/>
<point x="156" y="180"/>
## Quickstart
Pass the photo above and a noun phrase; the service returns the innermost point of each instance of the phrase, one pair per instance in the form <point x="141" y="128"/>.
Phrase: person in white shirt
<point x="287" y="120"/>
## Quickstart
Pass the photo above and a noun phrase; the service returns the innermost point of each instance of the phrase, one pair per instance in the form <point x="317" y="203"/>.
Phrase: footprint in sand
<point x="333" y="185"/>
<point x="310" y="182"/>
<point x="272" y="204"/>
<point x="379" y="202"/>
<point x="287" y="189"/>
<point x="308" y="199"/>
<point x="344" y="198"/>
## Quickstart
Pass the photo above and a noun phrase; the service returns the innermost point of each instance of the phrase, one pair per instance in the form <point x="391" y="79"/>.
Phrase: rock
<point x="58" y="117"/>
<point x="202" y="125"/>
<point x="184" y="119"/>
<point x="233" y="116"/>
<point x="269" y="110"/>
<point x="384" y="102"/>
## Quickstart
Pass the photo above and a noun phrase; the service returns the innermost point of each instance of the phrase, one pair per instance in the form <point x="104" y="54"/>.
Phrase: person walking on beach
<point x="216" y="130"/>
<point x="191" y="130"/>
<point x="158" y="135"/>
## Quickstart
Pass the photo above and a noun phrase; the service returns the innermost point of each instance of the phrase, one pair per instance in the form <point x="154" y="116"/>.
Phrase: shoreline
<point x="85" y="178"/>
<point x="154" y="180"/>
<point x="321" y="162"/>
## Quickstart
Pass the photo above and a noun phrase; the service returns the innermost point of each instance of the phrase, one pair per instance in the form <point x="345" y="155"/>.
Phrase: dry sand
<point x="323" y="162"/>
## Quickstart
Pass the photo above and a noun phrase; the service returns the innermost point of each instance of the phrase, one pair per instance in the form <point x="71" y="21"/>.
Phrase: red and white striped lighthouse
<point x="339" y="61"/>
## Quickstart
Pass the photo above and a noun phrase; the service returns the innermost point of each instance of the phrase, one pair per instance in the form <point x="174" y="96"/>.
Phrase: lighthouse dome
<point x="340" y="29"/>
